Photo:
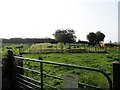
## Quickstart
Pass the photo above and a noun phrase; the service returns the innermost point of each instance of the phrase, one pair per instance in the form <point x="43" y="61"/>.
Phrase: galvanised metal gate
<point x="23" y="82"/>
<point x="42" y="84"/>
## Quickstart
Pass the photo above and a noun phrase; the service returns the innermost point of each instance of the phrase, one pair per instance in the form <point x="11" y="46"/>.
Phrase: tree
<point x="92" y="38"/>
<point x="100" y="36"/>
<point x="95" y="38"/>
<point x="65" y="36"/>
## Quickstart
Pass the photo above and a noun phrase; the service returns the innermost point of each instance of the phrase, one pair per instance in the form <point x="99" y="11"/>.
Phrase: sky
<point x="41" y="18"/>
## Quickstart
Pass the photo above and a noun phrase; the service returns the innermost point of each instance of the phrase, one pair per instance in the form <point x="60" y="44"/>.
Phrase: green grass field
<point x="102" y="61"/>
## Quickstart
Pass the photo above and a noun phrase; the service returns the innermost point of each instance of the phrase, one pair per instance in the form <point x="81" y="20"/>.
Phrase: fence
<point x="60" y="48"/>
<point x="18" y="81"/>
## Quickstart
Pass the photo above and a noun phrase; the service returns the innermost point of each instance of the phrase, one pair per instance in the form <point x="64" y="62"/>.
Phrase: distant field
<point x="102" y="61"/>
<point x="54" y="48"/>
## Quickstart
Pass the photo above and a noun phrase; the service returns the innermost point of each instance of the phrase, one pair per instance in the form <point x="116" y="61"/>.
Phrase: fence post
<point x="116" y="75"/>
<point x="41" y="72"/>
<point x="10" y="68"/>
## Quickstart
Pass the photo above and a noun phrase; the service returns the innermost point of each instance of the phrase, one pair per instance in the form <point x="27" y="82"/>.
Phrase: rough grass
<point x="102" y="61"/>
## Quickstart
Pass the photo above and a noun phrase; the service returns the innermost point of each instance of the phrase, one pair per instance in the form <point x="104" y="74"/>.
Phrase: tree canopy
<point x="92" y="38"/>
<point x="65" y="36"/>
<point x="100" y="36"/>
<point x="95" y="38"/>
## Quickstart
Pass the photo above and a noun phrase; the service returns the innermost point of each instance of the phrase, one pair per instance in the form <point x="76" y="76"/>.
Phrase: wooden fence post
<point x="116" y="75"/>
<point x="10" y="68"/>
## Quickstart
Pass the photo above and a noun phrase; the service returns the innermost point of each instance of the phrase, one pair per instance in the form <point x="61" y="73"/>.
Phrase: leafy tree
<point x="100" y="36"/>
<point x="95" y="38"/>
<point x="92" y="38"/>
<point x="65" y="36"/>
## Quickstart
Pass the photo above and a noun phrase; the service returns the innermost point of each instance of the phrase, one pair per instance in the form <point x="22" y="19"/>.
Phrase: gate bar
<point x="70" y="65"/>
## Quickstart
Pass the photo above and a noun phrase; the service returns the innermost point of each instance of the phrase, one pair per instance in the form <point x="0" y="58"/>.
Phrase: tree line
<point x="61" y="35"/>
<point x="28" y="40"/>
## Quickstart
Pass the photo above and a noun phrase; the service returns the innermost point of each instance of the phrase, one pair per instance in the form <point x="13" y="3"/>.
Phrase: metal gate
<point x="22" y="82"/>
<point x="41" y="84"/>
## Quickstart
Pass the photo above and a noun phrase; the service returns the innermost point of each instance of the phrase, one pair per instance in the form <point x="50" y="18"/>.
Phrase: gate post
<point x="116" y="75"/>
<point x="10" y="68"/>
